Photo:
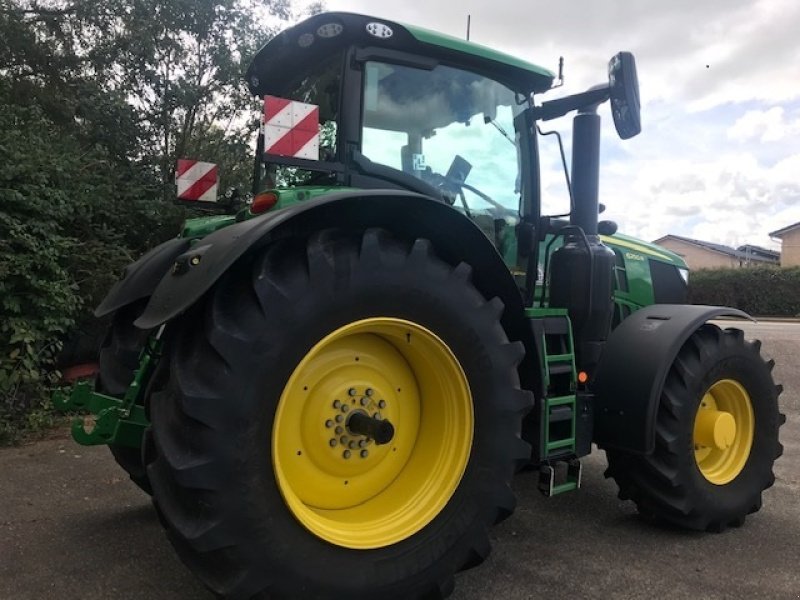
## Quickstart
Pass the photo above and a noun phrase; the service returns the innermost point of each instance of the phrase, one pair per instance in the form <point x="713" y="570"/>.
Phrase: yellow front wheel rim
<point x="724" y="427"/>
<point x="344" y="487"/>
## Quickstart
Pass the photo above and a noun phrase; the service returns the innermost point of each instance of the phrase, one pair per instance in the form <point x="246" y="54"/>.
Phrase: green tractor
<point x="328" y="392"/>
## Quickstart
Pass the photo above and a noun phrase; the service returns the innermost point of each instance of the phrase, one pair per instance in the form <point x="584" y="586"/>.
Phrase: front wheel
<point x="342" y="420"/>
<point x="716" y="436"/>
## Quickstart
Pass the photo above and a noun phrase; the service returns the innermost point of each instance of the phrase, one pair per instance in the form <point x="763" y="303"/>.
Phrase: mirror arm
<point x="553" y="109"/>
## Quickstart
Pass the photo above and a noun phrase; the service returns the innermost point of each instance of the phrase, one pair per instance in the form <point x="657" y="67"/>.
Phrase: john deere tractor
<point x="328" y="392"/>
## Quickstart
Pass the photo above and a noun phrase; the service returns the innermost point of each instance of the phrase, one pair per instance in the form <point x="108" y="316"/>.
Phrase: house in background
<point x="790" y="244"/>
<point x="707" y="255"/>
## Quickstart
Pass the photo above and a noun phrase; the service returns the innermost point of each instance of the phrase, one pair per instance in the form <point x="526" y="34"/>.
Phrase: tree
<point x="97" y="101"/>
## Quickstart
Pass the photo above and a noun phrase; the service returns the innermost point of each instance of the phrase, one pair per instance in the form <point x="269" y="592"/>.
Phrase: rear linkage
<point x="119" y="422"/>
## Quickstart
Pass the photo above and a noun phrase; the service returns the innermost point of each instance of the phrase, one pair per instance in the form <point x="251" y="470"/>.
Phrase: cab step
<point x="552" y="482"/>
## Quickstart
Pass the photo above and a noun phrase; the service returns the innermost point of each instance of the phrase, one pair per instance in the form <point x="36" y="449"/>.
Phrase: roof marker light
<point x="305" y="40"/>
<point x="379" y="30"/>
<point x="329" y="30"/>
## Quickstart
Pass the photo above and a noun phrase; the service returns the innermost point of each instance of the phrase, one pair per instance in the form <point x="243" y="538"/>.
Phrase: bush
<point x="759" y="291"/>
<point x="70" y="219"/>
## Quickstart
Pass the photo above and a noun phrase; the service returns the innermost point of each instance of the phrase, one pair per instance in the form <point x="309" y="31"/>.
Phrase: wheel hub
<point x="357" y="422"/>
<point x="714" y="429"/>
<point x="354" y="459"/>
<point x="724" y="427"/>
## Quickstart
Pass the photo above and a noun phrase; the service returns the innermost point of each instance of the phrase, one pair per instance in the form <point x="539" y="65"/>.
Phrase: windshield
<point x="451" y="128"/>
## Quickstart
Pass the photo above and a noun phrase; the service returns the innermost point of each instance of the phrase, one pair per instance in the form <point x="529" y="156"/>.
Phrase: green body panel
<point x="434" y="38"/>
<point x="636" y="256"/>
<point x="292" y="195"/>
<point x="200" y="227"/>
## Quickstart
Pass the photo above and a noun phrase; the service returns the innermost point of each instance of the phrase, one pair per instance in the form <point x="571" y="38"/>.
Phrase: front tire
<point x="716" y="436"/>
<point x="251" y="475"/>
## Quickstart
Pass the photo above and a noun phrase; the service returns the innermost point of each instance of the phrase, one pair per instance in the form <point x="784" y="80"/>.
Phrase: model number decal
<point x="632" y="256"/>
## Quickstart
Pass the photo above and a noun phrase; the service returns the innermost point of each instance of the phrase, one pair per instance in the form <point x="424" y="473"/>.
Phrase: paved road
<point x="72" y="527"/>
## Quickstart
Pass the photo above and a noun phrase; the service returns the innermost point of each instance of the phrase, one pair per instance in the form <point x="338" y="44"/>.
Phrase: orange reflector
<point x="263" y="202"/>
<point x="583" y="377"/>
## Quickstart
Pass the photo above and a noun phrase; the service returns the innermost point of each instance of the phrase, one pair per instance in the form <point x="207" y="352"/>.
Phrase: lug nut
<point x="339" y="430"/>
<point x="339" y="418"/>
<point x="368" y="392"/>
<point x="352" y="392"/>
<point x="352" y="445"/>
<point x="364" y="401"/>
<point x="346" y="453"/>
<point x="345" y="408"/>
<point x="343" y="439"/>
<point x="364" y="454"/>
<point x="375" y="415"/>
<point x="336" y="404"/>
<point x="362" y="443"/>
<point x="333" y="443"/>
<point x="382" y="404"/>
<point x="328" y="423"/>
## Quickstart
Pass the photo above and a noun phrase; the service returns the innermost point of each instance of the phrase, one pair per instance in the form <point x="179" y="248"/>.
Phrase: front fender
<point x="633" y="367"/>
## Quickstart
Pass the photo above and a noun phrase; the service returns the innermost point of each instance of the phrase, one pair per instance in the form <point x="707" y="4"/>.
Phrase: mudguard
<point x="455" y="237"/>
<point x="633" y="367"/>
<point x="141" y="277"/>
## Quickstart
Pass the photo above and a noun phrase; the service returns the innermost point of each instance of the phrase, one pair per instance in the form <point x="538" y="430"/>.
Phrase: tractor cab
<point x="402" y="107"/>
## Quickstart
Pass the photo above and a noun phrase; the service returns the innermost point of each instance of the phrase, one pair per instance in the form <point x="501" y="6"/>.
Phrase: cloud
<point x="770" y="125"/>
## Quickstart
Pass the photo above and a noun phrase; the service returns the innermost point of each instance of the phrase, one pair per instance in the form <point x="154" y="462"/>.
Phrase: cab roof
<point x="322" y="35"/>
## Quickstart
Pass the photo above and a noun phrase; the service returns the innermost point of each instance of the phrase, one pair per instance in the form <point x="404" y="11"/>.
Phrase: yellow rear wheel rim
<point x="345" y="488"/>
<point x="723" y="431"/>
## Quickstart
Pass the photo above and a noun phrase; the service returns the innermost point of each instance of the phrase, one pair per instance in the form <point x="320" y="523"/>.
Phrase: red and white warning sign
<point x="291" y="128"/>
<point x="196" y="180"/>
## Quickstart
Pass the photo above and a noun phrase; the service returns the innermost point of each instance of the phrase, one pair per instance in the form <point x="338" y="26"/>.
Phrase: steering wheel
<point x="457" y="187"/>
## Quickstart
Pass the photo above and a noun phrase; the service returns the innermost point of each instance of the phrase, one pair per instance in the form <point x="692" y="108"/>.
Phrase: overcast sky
<point x="718" y="158"/>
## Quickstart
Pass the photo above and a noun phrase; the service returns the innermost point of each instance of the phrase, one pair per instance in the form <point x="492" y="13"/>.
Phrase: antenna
<point x="469" y="18"/>
<point x="559" y="81"/>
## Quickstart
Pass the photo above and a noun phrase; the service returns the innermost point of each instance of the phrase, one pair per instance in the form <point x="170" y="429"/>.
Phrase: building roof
<point x="781" y="232"/>
<point x="747" y="252"/>
<point x="753" y="250"/>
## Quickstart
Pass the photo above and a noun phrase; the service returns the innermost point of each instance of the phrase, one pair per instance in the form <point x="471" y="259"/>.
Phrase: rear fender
<point x="141" y="277"/>
<point x="408" y="215"/>
<point x="633" y="367"/>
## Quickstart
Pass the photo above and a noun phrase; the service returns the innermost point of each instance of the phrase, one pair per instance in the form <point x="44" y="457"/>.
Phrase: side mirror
<point x="624" y="87"/>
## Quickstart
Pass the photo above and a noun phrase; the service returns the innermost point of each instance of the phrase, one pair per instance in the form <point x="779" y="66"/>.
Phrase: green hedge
<point x="761" y="291"/>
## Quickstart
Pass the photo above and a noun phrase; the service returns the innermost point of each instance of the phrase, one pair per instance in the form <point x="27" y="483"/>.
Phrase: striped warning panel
<point x="197" y="181"/>
<point x="291" y="128"/>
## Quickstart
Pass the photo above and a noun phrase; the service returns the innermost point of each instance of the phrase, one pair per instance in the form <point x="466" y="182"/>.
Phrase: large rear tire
<point x="119" y="359"/>
<point x="716" y="436"/>
<point x="261" y="483"/>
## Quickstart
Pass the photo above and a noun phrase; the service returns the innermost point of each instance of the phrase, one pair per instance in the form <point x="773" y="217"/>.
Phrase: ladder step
<point x="557" y="358"/>
<point x="556" y="325"/>
<point x="560" y="369"/>
<point x="566" y="442"/>
<point x="560" y="413"/>
<point x="547" y="478"/>
<point x="558" y="400"/>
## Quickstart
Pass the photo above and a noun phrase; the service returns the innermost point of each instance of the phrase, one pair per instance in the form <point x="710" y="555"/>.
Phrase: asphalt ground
<point x="73" y="526"/>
